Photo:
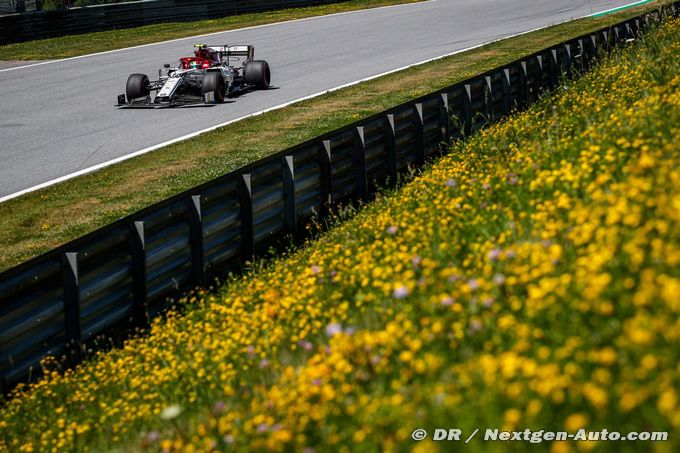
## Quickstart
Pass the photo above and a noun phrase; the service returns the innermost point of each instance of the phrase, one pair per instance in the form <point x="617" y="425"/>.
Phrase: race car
<point x="206" y="78"/>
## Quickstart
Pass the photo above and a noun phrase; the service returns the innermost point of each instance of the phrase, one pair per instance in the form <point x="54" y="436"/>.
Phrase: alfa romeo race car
<point x="206" y="78"/>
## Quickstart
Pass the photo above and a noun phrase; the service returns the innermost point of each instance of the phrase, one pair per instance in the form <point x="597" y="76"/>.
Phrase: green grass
<point x="40" y="221"/>
<point x="74" y="45"/>
<point x="528" y="279"/>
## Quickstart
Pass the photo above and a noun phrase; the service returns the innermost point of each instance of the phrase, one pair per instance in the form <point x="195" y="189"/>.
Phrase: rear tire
<point x="213" y="82"/>
<point x="257" y="73"/>
<point x="137" y="86"/>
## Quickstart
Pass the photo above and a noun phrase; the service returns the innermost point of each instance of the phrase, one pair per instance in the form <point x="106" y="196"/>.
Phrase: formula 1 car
<point x="206" y="78"/>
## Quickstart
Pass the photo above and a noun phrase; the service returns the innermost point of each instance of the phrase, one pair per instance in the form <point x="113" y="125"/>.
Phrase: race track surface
<point x="59" y="118"/>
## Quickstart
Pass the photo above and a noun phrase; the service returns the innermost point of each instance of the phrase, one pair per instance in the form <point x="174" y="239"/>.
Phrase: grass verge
<point x="528" y="279"/>
<point x="42" y="220"/>
<point x="87" y="43"/>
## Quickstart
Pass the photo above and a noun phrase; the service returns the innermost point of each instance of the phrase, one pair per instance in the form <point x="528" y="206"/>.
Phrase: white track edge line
<point x="621" y="8"/>
<point x="214" y="33"/>
<point x="280" y="106"/>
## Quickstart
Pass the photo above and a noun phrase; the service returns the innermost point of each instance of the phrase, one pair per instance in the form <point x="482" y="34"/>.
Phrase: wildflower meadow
<point x="530" y="278"/>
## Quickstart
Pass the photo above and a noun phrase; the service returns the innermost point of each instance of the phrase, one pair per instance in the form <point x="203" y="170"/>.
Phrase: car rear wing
<point x="227" y="51"/>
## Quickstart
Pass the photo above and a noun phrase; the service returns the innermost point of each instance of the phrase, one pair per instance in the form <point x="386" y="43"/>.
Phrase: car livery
<point x="206" y="78"/>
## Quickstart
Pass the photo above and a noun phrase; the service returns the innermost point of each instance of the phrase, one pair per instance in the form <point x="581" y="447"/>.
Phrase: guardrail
<point x="76" y="297"/>
<point x="7" y="7"/>
<point x="49" y="24"/>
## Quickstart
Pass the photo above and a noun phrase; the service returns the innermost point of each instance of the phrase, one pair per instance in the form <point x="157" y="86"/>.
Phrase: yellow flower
<point x="576" y="421"/>
<point x="512" y="417"/>
<point x="668" y="401"/>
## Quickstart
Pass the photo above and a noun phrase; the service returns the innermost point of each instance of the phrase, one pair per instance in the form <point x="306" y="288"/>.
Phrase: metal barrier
<point x="74" y="298"/>
<point x="49" y="24"/>
<point x="7" y="7"/>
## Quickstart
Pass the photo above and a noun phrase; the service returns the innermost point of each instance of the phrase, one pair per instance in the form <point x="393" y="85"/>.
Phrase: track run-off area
<point x="58" y="119"/>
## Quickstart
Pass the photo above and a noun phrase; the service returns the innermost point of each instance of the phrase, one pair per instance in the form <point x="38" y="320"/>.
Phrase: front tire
<point x="213" y="82"/>
<point x="257" y="73"/>
<point x="137" y="86"/>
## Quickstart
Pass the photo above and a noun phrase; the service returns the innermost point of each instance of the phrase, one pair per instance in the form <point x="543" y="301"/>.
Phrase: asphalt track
<point x="59" y="118"/>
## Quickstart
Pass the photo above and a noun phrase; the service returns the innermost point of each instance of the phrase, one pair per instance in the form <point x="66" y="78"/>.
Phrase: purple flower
<point x="472" y="284"/>
<point x="494" y="254"/>
<point x="250" y="350"/>
<point x="499" y="279"/>
<point x="219" y="407"/>
<point x="392" y="230"/>
<point x="451" y="182"/>
<point x="264" y="363"/>
<point x="315" y="269"/>
<point x="306" y="345"/>
<point x="454" y="278"/>
<point x="510" y="254"/>
<point x="486" y="186"/>
<point x="316" y="382"/>
<point x="400" y="292"/>
<point x="416" y="260"/>
<point x="375" y="360"/>
<point x="333" y="329"/>
<point x="447" y="301"/>
<point x="262" y="427"/>
<point x="475" y="326"/>
<point x="511" y="178"/>
<point x="153" y="436"/>
<point x="488" y="302"/>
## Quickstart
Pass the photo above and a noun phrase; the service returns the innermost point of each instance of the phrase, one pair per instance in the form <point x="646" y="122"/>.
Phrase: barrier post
<point x="140" y="317"/>
<point x="360" y="163"/>
<point x="289" y="206"/>
<point x="69" y="268"/>
<point x="246" y="215"/>
<point x="196" y="241"/>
